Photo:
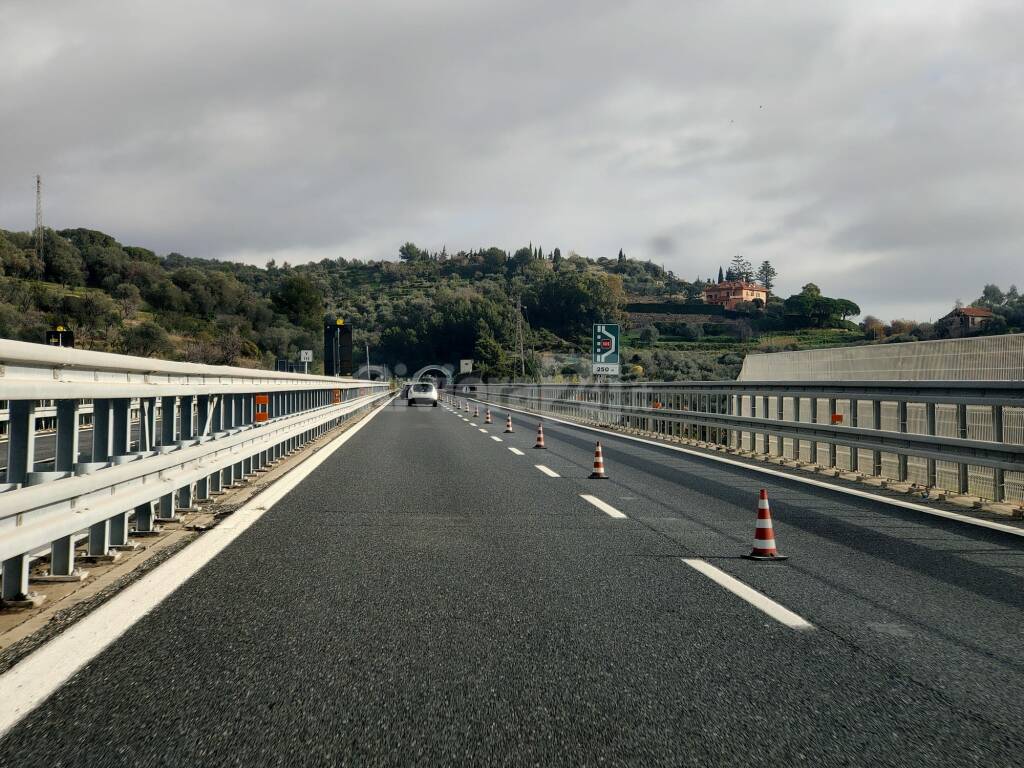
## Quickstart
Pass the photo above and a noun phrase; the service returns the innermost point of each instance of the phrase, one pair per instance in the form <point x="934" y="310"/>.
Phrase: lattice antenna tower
<point x="39" y="216"/>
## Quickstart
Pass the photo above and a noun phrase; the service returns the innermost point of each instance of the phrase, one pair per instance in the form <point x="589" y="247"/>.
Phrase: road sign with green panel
<point x="605" y="351"/>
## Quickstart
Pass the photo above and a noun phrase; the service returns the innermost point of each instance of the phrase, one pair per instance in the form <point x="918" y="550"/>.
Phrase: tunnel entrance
<point x="441" y="375"/>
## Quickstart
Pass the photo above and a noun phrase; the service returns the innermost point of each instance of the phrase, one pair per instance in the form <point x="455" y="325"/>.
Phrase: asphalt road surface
<point x="428" y="596"/>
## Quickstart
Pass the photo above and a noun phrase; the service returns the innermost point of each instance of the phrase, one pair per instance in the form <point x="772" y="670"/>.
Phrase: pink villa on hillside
<point x="731" y="292"/>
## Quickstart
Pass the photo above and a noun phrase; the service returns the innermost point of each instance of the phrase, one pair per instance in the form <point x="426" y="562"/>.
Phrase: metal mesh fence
<point x="872" y="430"/>
<point x="986" y="358"/>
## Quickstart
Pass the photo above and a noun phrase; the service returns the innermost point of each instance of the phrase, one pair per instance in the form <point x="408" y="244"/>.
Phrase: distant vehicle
<point x="422" y="392"/>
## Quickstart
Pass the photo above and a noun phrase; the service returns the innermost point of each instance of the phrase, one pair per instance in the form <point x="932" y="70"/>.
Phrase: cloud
<point x="870" y="147"/>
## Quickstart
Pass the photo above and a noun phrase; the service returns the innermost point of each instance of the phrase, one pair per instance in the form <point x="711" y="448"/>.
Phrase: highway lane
<point x="430" y="596"/>
<point x="940" y="596"/>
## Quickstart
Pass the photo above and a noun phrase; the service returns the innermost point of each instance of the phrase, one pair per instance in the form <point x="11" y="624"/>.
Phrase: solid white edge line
<point x="33" y="679"/>
<point x="516" y="451"/>
<point x="604" y="506"/>
<point x="547" y="471"/>
<point x="775" y="473"/>
<point x="763" y="603"/>
<point x="496" y="439"/>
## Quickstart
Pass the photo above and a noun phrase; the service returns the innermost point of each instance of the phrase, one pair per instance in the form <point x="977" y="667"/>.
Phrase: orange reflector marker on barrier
<point x="262" y="406"/>
<point x="336" y="396"/>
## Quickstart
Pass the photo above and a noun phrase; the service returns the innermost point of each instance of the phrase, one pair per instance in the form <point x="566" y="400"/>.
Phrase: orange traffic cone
<point x="487" y="417"/>
<point x="540" y="437"/>
<point x="476" y="411"/>
<point x="598" y="473"/>
<point x="508" y="425"/>
<point x="764" y="534"/>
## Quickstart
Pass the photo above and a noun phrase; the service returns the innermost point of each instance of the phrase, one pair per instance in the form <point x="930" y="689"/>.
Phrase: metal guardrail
<point x="962" y="437"/>
<point x="217" y="425"/>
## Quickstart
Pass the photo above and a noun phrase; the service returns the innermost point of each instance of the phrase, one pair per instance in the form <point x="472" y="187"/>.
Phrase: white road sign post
<point x="305" y="357"/>
<point x="604" y="357"/>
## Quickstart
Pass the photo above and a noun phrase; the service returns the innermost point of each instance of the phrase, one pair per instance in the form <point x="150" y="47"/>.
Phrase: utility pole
<point x="39" y="217"/>
<point x="369" y="375"/>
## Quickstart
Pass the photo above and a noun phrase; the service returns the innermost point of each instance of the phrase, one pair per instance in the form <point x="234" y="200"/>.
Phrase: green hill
<point x="423" y="308"/>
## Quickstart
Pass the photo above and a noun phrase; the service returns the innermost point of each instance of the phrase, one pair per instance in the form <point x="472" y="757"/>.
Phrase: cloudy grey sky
<point x="875" y="147"/>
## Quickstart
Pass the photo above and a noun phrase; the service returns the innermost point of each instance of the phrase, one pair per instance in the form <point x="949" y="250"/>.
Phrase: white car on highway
<point x="422" y="392"/>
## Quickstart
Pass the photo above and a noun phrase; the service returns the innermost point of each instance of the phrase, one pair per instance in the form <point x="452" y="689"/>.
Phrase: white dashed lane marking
<point x="547" y="471"/>
<point x="496" y="439"/>
<point x="780" y="613"/>
<point x="604" y="506"/>
<point x="516" y="451"/>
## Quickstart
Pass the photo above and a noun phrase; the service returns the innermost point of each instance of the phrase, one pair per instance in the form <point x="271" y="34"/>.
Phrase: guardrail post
<point x="854" y="405"/>
<point x="147" y="423"/>
<point x="66" y="453"/>
<point x="21" y="440"/>
<point x="144" y="518"/>
<point x="813" y="417"/>
<point x="187" y="428"/>
<point x="203" y="416"/>
<point x="217" y="425"/>
<point x="101" y="430"/>
<point x="62" y="556"/>
<point x="735" y="435"/>
<point x="929" y="413"/>
<point x="229" y="416"/>
<point x="99" y="538"/>
<point x="119" y="530"/>
<point x="963" y="480"/>
<point x="216" y="482"/>
<point x="901" y="458"/>
<point x="241" y="420"/>
<point x="998" y="483"/>
<point x="248" y="417"/>
<point x="876" y="424"/>
<point x="121" y="426"/>
<point x="184" y="499"/>
<point x="168" y="437"/>
<point x="766" y="436"/>
<point x="780" y="415"/>
<point x="831" y="446"/>
<point x="15" y="577"/>
<point x="168" y="420"/>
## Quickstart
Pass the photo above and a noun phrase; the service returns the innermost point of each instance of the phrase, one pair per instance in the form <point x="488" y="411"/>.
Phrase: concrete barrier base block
<point x="31" y="600"/>
<point x="49" y="578"/>
<point x="110" y="557"/>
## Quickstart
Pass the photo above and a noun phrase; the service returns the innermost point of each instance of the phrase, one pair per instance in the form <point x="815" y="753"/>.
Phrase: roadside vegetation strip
<point x="763" y="603"/>
<point x="36" y="676"/>
<point x="799" y="478"/>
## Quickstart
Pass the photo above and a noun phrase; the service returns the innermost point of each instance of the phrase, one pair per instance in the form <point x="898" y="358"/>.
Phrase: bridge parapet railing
<point x="960" y="437"/>
<point x="163" y="435"/>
